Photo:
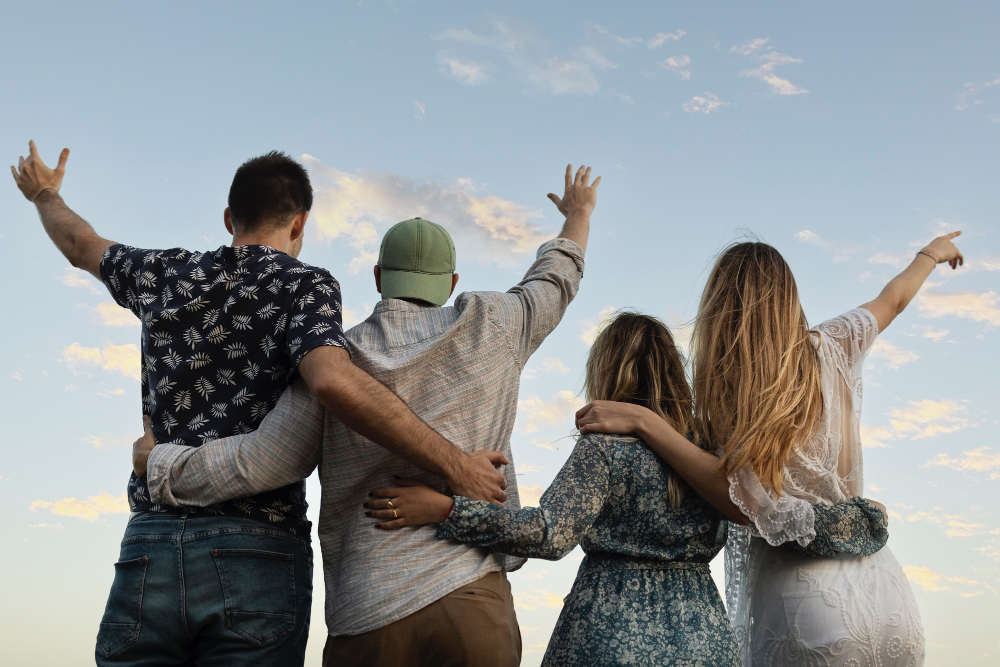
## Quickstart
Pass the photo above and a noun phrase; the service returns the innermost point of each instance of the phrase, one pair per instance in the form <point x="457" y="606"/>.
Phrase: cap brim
<point x="431" y="287"/>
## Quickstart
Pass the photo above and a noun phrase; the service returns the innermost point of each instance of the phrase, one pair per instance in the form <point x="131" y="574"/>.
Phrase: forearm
<point x="70" y="233"/>
<point x="900" y="290"/>
<point x="854" y="527"/>
<point x="284" y="449"/>
<point x="366" y="406"/>
<point x="700" y="469"/>
<point x="524" y="532"/>
<point x="577" y="228"/>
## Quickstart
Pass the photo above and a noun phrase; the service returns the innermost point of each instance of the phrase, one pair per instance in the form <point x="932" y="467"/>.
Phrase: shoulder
<point x="850" y="324"/>
<point x="607" y="444"/>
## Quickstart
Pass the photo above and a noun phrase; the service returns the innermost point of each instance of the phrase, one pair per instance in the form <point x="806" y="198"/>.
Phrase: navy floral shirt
<point x="223" y="333"/>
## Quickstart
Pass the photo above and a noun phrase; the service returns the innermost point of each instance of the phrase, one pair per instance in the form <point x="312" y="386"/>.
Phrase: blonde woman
<point x="643" y="594"/>
<point x="783" y="401"/>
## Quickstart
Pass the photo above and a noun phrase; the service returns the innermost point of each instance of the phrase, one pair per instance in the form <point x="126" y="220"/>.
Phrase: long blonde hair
<point x="634" y="360"/>
<point x="756" y="372"/>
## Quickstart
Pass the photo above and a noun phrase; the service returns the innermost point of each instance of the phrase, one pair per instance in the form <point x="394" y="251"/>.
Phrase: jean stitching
<point x="232" y="613"/>
<point x="137" y="627"/>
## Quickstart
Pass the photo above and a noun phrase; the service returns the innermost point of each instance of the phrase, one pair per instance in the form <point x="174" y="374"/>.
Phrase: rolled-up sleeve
<point x="286" y="448"/>
<point x="530" y="310"/>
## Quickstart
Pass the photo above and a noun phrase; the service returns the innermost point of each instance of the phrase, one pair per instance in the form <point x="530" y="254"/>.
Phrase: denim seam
<point x="180" y="571"/>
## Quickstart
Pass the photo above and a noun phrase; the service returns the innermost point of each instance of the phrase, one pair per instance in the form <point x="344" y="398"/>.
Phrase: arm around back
<point x="367" y="407"/>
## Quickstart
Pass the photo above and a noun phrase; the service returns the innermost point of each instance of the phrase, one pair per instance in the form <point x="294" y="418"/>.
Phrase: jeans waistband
<point x="618" y="563"/>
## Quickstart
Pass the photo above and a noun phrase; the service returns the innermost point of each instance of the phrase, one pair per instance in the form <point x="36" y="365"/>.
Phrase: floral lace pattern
<point x="643" y="594"/>
<point x="830" y="596"/>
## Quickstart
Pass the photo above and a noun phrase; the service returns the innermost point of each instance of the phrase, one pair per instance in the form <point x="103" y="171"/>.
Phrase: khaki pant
<point x="473" y="626"/>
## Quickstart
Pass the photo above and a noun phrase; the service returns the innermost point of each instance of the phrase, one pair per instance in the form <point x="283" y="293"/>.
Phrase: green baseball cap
<point x="417" y="259"/>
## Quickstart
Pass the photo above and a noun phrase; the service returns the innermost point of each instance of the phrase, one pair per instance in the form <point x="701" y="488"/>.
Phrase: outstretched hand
<point x="32" y="175"/>
<point x="142" y="447"/>
<point x="943" y="250"/>
<point x="579" y="196"/>
<point x="409" y="504"/>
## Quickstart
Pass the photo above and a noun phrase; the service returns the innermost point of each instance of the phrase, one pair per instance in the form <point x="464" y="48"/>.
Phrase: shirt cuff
<point x="567" y="246"/>
<point x="159" y="469"/>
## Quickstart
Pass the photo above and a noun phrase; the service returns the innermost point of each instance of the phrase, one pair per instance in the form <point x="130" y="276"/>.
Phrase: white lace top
<point x="827" y="469"/>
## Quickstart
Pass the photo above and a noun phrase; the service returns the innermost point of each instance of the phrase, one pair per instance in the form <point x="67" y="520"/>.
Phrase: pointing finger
<point x="953" y="235"/>
<point x="62" y="160"/>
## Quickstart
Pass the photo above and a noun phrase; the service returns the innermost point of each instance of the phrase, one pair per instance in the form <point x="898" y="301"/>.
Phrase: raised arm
<point x="898" y="293"/>
<point x="76" y="239"/>
<point x="567" y="509"/>
<point x="366" y="406"/>
<point x="577" y="203"/>
<point x="285" y="448"/>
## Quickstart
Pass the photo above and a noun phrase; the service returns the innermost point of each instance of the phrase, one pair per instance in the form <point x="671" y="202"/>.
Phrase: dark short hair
<point x="268" y="191"/>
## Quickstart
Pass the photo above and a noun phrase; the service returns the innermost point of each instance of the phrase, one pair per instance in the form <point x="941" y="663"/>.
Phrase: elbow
<point x="738" y="517"/>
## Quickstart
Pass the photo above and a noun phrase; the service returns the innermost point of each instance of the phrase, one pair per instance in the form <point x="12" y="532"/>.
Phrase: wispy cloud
<point x="73" y="277"/>
<point x="918" y="420"/>
<point x="110" y="314"/>
<point x="894" y="356"/>
<point x="975" y="306"/>
<point x="767" y="60"/>
<point x="936" y="335"/>
<point x="678" y="65"/>
<point x="969" y="95"/>
<point x="936" y="582"/>
<point x="419" y="109"/>
<point x="359" y="207"/>
<point x="548" y="365"/>
<point x="123" y="359"/>
<point x="536" y="598"/>
<point x="530" y="494"/>
<point x="953" y="525"/>
<point x="591" y="327"/>
<point x="838" y="252"/>
<point x="90" y="509"/>
<point x="624" y="41"/>
<point x="528" y="56"/>
<point x="533" y="413"/>
<point x="705" y="103"/>
<point x="662" y="38"/>
<point x="980" y="459"/>
<point x="105" y="441"/>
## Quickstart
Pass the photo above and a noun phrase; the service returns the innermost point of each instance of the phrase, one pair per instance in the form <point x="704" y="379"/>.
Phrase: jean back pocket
<point x="122" y="620"/>
<point x="259" y="591"/>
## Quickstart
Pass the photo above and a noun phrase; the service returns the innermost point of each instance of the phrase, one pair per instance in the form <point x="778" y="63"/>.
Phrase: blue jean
<point x="207" y="591"/>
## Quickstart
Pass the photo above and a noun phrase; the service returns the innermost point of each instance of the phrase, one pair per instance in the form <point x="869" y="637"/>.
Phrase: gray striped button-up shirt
<point x="459" y="369"/>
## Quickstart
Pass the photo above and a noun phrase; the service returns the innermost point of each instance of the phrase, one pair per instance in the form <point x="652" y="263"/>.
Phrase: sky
<point x="846" y="134"/>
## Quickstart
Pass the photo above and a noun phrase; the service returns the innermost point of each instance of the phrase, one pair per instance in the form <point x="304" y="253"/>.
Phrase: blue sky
<point x="847" y="135"/>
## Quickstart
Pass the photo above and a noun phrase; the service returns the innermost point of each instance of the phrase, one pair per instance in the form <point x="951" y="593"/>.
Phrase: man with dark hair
<point x="223" y="334"/>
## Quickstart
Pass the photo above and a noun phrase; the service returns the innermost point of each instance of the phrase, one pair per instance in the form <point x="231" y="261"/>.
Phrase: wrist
<point x="450" y="506"/>
<point x="44" y="194"/>
<point x="929" y="255"/>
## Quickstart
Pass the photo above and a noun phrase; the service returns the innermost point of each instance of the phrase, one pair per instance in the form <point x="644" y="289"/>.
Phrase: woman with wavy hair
<point x="782" y="401"/>
<point x="643" y="594"/>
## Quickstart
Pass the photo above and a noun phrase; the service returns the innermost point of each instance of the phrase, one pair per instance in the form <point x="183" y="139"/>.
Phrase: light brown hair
<point x="756" y="372"/>
<point x="634" y="360"/>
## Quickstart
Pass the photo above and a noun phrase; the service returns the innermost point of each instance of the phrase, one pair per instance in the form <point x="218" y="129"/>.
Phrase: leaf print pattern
<point x="644" y="594"/>
<point x="208" y="366"/>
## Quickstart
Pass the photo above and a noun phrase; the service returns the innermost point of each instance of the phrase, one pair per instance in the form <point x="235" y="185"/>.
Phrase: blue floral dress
<point x="643" y="594"/>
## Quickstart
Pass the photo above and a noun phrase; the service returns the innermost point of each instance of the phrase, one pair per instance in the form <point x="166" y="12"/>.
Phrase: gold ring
<point x="394" y="515"/>
<point x="388" y="503"/>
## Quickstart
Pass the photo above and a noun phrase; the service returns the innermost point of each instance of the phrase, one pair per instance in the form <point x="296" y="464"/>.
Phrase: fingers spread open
<point x="62" y="160"/>
<point x="13" y="171"/>
<point x="597" y="181"/>
<point x="555" y="199"/>
<point x="579" y="175"/>
<point x="569" y="175"/>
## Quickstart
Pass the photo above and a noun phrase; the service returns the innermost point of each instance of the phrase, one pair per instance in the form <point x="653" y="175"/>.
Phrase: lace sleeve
<point x="853" y="332"/>
<point x="854" y="527"/>
<point x="777" y="520"/>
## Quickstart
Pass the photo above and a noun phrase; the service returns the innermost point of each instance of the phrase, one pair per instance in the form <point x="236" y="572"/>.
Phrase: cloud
<point x="529" y="59"/>
<point x="919" y="420"/>
<point x="936" y="335"/>
<point x="535" y="598"/>
<point x="663" y="37"/>
<point x="73" y="277"/>
<point x="121" y="358"/>
<point x="970" y="91"/>
<point x="625" y="41"/>
<point x="894" y="356"/>
<point x="876" y="437"/>
<point x="468" y="72"/>
<point x="359" y="207"/>
<point x="16" y="375"/>
<point x="975" y="306"/>
<point x="706" y="103"/>
<point x="980" y="459"/>
<point x="105" y="441"/>
<point x="530" y="494"/>
<point x="420" y="109"/>
<point x="839" y="252"/>
<point x="809" y="236"/>
<point x="954" y="525"/>
<point x="767" y="59"/>
<point x="110" y="314"/>
<point x="89" y="510"/>
<point x="533" y="413"/>
<point x="51" y="526"/>
<point x="549" y="365"/>
<point x="678" y="65"/>
<point x="590" y="328"/>
<point x="935" y="582"/>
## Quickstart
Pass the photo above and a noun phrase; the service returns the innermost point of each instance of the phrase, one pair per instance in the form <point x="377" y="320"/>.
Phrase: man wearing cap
<point x="399" y="598"/>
